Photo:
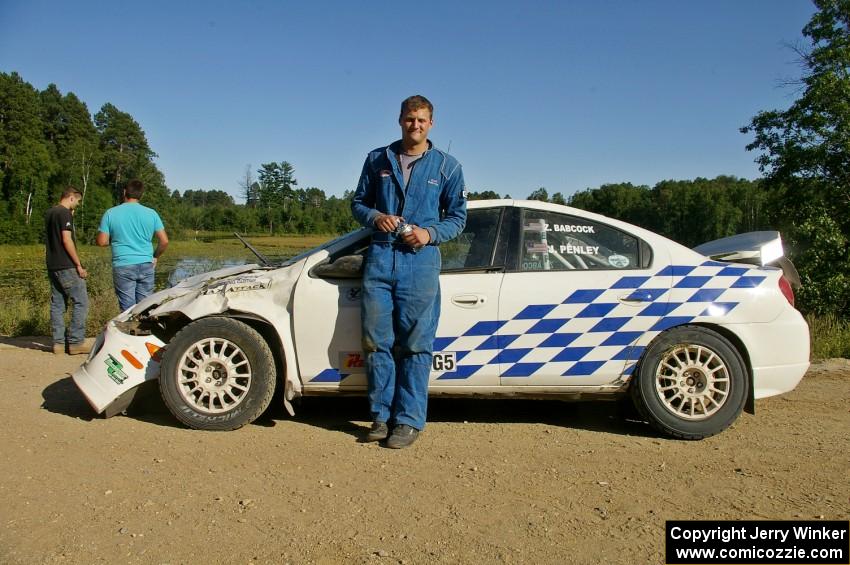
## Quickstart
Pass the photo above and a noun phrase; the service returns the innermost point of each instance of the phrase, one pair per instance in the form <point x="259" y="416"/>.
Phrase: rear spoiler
<point x="754" y="248"/>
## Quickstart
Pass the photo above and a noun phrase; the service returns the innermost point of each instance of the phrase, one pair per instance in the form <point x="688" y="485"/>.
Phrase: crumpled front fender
<point x="117" y="365"/>
<point x="250" y="292"/>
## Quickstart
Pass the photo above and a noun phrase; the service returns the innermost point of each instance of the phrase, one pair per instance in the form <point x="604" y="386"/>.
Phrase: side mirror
<point x="346" y="267"/>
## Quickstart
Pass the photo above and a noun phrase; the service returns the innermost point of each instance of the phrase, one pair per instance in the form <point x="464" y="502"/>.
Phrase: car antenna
<point x="259" y="255"/>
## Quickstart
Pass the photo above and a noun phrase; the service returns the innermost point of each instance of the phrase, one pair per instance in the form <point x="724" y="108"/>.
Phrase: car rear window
<point x="549" y="241"/>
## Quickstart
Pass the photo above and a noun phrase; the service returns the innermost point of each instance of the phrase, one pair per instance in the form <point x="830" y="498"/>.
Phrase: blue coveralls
<point x="401" y="288"/>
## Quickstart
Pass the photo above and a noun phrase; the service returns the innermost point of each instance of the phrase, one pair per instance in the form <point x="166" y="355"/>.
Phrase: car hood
<point x="242" y="287"/>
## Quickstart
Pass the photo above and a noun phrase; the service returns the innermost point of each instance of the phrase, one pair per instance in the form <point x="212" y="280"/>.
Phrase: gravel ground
<point x="489" y="481"/>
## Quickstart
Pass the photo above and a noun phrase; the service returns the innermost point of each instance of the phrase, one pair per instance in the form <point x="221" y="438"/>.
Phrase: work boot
<point x="402" y="436"/>
<point x="59" y="349"/>
<point x="379" y="431"/>
<point x="79" y="348"/>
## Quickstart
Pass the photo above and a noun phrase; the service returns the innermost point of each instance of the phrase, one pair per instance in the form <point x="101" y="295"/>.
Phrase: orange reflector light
<point x="129" y="357"/>
<point x="153" y="350"/>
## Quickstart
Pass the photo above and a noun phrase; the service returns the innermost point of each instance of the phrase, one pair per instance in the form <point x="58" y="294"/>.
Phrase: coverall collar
<point x="393" y="151"/>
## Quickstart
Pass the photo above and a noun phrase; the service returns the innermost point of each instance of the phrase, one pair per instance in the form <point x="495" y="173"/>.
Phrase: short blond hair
<point x="413" y="103"/>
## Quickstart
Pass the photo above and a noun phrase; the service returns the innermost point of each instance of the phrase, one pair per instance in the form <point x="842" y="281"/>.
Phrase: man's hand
<point x="387" y="223"/>
<point x="154" y="262"/>
<point x="82" y="272"/>
<point x="417" y="238"/>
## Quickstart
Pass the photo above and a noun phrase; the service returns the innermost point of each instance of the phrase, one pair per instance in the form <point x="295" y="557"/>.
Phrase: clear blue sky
<point x="566" y="95"/>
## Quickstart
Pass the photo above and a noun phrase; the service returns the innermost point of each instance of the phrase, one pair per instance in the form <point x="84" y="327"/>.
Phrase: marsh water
<point x="15" y="276"/>
<point x="25" y="289"/>
<point x="170" y="275"/>
<point x="22" y="267"/>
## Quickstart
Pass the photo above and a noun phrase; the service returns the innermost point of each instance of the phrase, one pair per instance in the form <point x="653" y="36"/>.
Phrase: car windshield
<point x="327" y="244"/>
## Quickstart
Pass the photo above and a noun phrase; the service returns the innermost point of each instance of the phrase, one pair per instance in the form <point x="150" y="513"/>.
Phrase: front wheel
<point x="217" y="374"/>
<point x="691" y="383"/>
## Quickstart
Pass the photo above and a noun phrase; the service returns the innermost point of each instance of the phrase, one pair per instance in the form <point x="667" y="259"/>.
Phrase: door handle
<point x="469" y="300"/>
<point x="636" y="297"/>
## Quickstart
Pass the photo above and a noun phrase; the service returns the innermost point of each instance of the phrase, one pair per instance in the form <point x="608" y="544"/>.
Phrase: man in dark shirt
<point x="67" y="276"/>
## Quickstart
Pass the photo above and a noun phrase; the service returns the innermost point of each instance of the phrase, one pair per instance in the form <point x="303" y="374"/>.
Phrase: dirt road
<point x="488" y="481"/>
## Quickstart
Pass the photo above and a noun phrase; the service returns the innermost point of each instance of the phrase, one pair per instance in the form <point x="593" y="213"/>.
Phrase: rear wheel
<point x="691" y="383"/>
<point x="217" y="374"/>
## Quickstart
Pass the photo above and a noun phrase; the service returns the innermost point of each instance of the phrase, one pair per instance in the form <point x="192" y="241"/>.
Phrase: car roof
<point x="561" y="209"/>
<point x="536" y="205"/>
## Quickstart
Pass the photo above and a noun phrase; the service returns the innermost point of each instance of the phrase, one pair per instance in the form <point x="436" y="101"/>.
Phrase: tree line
<point x="50" y="140"/>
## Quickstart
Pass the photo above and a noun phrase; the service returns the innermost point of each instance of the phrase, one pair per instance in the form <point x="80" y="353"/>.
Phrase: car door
<point x="326" y="318"/>
<point x="327" y="311"/>
<point x="470" y="281"/>
<point x="578" y="295"/>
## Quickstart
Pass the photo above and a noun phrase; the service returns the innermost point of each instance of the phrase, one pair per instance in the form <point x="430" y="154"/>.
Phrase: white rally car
<point x="538" y="300"/>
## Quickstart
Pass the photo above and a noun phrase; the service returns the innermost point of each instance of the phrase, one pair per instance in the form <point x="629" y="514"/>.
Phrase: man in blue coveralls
<point x="413" y="195"/>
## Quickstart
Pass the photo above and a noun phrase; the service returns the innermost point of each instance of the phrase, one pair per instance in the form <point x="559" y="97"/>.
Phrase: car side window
<point x="558" y="242"/>
<point x="473" y="248"/>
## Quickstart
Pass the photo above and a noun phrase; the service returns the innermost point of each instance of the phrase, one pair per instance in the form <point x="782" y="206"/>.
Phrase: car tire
<point x="217" y="374"/>
<point x="690" y="383"/>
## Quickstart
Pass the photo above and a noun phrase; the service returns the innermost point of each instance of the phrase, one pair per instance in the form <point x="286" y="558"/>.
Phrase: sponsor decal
<point x="571" y="229"/>
<point x="352" y="362"/>
<point x="240" y="284"/>
<point x="114" y="369"/>
<point x="619" y="261"/>
<point x="568" y="249"/>
<point x="534" y="226"/>
<point x="241" y="280"/>
<point x="536" y="248"/>
<point x="433" y="181"/>
<point x="385" y="173"/>
<point x="443" y="362"/>
<point x="541" y="226"/>
<point x="350" y="296"/>
<point x="255" y="285"/>
<point x="579" y="249"/>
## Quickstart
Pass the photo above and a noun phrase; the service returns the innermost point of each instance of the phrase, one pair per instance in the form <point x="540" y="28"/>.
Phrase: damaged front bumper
<point x="118" y="363"/>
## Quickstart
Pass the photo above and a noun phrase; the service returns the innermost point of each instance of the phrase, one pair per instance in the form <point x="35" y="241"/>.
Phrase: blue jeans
<point x="67" y="286"/>
<point x="132" y="283"/>
<point x="400" y="311"/>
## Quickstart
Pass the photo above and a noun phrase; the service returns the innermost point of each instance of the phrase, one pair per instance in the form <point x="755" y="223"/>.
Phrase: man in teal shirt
<point x="129" y="229"/>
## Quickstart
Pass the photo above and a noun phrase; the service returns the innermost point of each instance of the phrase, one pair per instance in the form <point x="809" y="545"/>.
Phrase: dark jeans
<point x="132" y="283"/>
<point x="67" y="286"/>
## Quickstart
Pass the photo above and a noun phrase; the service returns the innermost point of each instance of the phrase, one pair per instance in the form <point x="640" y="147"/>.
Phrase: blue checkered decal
<point x="540" y="338"/>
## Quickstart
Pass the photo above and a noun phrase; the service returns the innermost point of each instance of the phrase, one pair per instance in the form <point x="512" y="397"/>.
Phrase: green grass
<point x="25" y="290"/>
<point x="830" y="337"/>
